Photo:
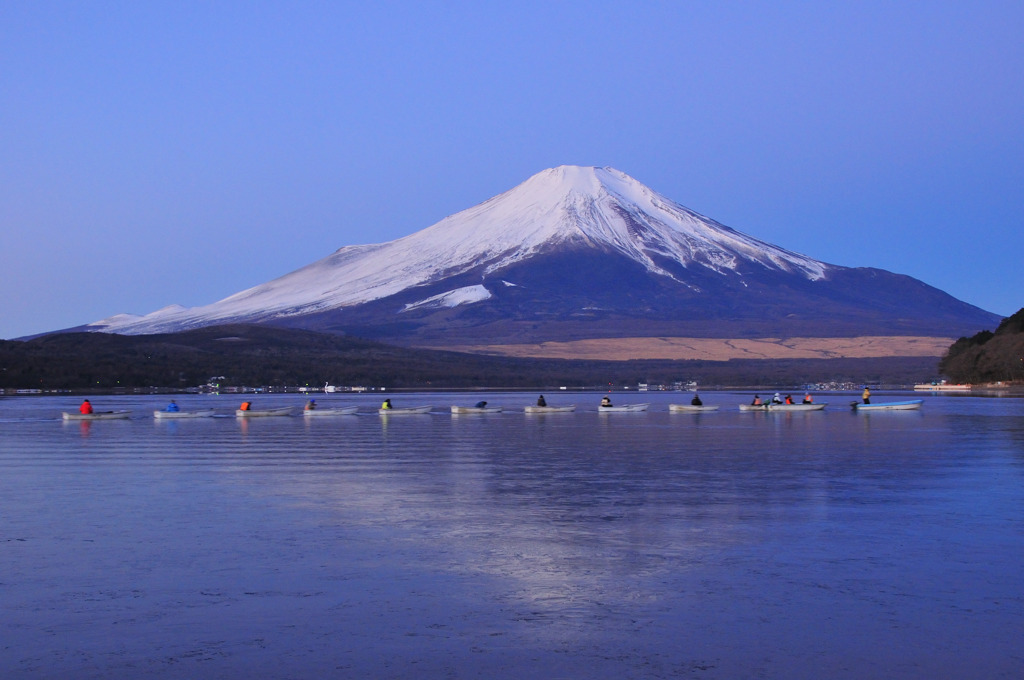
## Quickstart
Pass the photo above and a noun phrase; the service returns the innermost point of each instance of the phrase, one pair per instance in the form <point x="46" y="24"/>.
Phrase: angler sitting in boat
<point x="310" y="405"/>
<point x="86" y="408"/>
<point x="541" y="401"/>
<point x="756" y="401"/>
<point x="172" y="407"/>
<point x="480" y="404"/>
<point x="605" y="402"/>
<point x="777" y="399"/>
<point x="386" y="404"/>
<point x="696" y="400"/>
<point x="807" y="398"/>
<point x="246" y="406"/>
<point x="789" y="398"/>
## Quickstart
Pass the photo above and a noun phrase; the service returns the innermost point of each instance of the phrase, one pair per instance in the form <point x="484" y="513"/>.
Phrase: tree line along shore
<point x="270" y="356"/>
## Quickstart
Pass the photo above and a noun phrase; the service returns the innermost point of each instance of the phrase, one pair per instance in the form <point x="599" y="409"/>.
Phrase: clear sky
<point x="177" y="152"/>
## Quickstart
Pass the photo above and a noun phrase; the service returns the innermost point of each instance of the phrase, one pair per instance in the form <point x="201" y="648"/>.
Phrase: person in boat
<point x="172" y="407"/>
<point x="777" y="399"/>
<point x="789" y="398"/>
<point x="541" y="401"/>
<point x="481" y="404"/>
<point x="696" y="400"/>
<point x="386" y="405"/>
<point x="866" y="395"/>
<point x="756" y="401"/>
<point x="246" y="406"/>
<point x="85" y="408"/>
<point x="807" y="398"/>
<point x="310" y="405"/>
<point x="606" y="402"/>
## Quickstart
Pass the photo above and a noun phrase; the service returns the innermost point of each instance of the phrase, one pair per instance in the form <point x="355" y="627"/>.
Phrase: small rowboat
<point x="476" y="409"/>
<point x="264" y="412"/>
<point x="403" y="411"/>
<point x="690" y="408"/>
<point x="550" y="409"/>
<point x="783" y="407"/>
<point x="202" y="413"/>
<point x="98" y="415"/>
<point x="910" y="405"/>
<point x="797" y="407"/>
<point x="340" y="411"/>
<point x="625" y="408"/>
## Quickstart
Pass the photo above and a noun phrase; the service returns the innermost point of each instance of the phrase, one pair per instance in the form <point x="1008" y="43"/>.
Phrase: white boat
<point x="476" y="409"/>
<point x="98" y="415"/>
<point x="340" y="411"/>
<point x="264" y="412"/>
<point x="783" y="407"/>
<point x="797" y="407"/>
<point x="201" y="413"/>
<point x="690" y="408"/>
<point x="909" y="405"/>
<point x="550" y="409"/>
<point x="939" y="387"/>
<point x="625" y="408"/>
<point x="403" y="411"/>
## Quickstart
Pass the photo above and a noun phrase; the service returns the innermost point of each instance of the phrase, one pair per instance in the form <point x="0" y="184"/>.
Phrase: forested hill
<point x="244" y="354"/>
<point x="987" y="356"/>
<point x="262" y="355"/>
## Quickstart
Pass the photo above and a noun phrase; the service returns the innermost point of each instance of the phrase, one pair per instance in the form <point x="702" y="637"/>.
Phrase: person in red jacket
<point x="85" y="408"/>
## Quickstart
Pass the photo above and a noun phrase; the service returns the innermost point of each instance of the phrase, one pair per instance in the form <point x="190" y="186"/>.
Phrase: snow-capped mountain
<point x="574" y="251"/>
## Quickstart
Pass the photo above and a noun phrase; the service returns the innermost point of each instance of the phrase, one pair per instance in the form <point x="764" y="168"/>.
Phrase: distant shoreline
<point x="1009" y="390"/>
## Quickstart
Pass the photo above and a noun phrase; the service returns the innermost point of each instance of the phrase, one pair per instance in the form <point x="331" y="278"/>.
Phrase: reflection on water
<point x="655" y="544"/>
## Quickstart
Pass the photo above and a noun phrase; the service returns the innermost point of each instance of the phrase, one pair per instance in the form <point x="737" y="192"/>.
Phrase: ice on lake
<point x="647" y="545"/>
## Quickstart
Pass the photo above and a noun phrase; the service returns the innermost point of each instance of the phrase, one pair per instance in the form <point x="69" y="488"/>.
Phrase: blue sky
<point x="177" y="152"/>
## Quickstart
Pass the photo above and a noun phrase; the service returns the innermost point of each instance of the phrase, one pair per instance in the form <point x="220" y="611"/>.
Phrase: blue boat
<point x="909" y="405"/>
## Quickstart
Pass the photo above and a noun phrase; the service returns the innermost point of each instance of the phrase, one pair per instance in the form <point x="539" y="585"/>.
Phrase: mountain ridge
<point x="576" y="250"/>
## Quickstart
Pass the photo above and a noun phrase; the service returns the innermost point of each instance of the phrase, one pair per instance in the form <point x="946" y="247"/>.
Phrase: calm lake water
<point x="654" y="545"/>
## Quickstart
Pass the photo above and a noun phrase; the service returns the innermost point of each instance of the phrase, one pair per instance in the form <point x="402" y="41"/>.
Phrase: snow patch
<point x="113" y="321"/>
<point x="453" y="298"/>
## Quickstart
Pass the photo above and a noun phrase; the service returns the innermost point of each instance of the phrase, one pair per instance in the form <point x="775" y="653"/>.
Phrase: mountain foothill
<point x="988" y="356"/>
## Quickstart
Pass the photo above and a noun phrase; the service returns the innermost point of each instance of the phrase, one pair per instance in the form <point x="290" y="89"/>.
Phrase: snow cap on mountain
<point x="567" y="206"/>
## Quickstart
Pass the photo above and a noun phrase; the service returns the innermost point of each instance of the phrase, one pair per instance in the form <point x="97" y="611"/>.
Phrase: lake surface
<point x="630" y="545"/>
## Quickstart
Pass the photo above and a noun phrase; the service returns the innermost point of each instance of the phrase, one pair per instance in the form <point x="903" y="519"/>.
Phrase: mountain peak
<point x="516" y="254"/>
<point x="607" y="208"/>
<point x="568" y="183"/>
<point x="566" y="180"/>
